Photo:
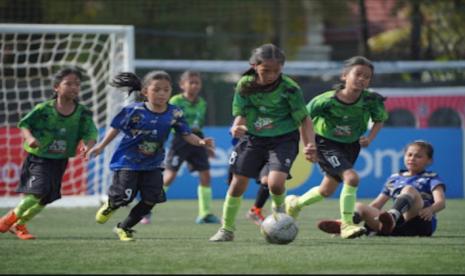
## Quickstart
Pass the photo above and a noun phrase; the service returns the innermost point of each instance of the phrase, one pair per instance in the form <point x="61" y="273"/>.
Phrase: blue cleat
<point x="208" y="219"/>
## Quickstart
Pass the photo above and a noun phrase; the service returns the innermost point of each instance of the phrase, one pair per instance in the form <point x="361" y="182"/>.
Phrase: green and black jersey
<point x="343" y="122"/>
<point x="58" y="135"/>
<point x="194" y="112"/>
<point x="270" y="113"/>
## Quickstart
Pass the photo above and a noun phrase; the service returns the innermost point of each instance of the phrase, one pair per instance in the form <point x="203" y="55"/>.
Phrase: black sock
<point x="402" y="204"/>
<point x="136" y="214"/>
<point x="356" y="218"/>
<point x="263" y="194"/>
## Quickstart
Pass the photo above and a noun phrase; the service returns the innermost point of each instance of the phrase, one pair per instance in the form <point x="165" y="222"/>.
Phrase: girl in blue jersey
<point x="137" y="160"/>
<point x="418" y="196"/>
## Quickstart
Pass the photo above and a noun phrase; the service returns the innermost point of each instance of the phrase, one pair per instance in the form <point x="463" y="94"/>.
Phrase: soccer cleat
<point x="7" y="221"/>
<point x="222" y="235"/>
<point x="291" y="206"/>
<point x="124" y="234"/>
<point x="104" y="213"/>
<point x="255" y="215"/>
<point x="386" y="223"/>
<point x="21" y="232"/>
<point x="208" y="219"/>
<point x="351" y="231"/>
<point x="330" y="226"/>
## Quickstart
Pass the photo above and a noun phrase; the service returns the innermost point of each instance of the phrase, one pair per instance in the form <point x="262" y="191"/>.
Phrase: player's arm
<point x="365" y="141"/>
<point x="207" y="142"/>
<point x="239" y="127"/>
<point x="307" y="135"/>
<point x="439" y="204"/>
<point x="29" y="138"/>
<point x="109" y="136"/>
<point x="379" y="201"/>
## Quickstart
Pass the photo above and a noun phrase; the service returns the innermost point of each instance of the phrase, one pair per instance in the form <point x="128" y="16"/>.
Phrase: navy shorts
<point x="335" y="157"/>
<point x="180" y="151"/>
<point x="126" y="184"/>
<point x="252" y="153"/>
<point x="42" y="177"/>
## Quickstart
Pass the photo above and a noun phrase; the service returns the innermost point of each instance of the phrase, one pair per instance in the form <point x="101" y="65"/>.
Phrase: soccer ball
<point x="279" y="228"/>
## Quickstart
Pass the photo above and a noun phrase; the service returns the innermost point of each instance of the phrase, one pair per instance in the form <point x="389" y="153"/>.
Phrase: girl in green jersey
<point x="340" y="118"/>
<point x="269" y="111"/>
<point x="51" y="133"/>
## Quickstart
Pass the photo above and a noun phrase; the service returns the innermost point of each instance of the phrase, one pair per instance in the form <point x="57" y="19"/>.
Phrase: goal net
<point x="30" y="55"/>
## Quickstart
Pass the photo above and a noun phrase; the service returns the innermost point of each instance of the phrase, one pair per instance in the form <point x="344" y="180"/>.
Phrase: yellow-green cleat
<point x="292" y="209"/>
<point x="104" y="213"/>
<point x="124" y="234"/>
<point x="351" y="231"/>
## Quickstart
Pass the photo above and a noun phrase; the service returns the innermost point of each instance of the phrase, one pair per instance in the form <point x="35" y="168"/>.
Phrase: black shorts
<point x="252" y="153"/>
<point x="42" y="177"/>
<point x="335" y="157"/>
<point x="127" y="183"/>
<point x="414" y="227"/>
<point x="180" y="151"/>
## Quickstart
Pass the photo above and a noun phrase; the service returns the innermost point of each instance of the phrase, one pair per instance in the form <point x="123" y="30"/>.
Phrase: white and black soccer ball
<point x="279" y="228"/>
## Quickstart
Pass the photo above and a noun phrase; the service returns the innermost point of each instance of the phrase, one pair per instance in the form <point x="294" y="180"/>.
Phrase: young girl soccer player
<point x="51" y="133"/>
<point x="194" y="108"/>
<point x="418" y="196"/>
<point x="269" y="108"/>
<point x="137" y="160"/>
<point x="340" y="118"/>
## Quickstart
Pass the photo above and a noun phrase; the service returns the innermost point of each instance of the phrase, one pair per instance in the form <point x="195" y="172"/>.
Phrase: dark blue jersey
<point x="144" y="133"/>
<point x="424" y="183"/>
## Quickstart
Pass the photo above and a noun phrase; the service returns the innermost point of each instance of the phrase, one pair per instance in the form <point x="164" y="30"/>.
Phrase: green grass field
<point x="70" y="242"/>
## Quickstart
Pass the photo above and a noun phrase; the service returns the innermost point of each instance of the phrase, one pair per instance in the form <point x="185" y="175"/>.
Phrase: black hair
<point x="259" y="55"/>
<point x="133" y="82"/>
<point x="427" y="147"/>
<point x="60" y="75"/>
<point x="189" y="74"/>
<point x="351" y="62"/>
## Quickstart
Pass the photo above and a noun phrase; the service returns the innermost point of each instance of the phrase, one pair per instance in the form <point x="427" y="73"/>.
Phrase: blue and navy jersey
<point x="424" y="183"/>
<point x="144" y="132"/>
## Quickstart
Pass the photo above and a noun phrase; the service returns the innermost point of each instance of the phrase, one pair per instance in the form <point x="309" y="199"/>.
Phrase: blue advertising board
<point x="374" y="165"/>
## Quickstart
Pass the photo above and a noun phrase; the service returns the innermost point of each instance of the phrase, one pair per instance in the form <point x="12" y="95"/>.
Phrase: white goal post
<point x="30" y="55"/>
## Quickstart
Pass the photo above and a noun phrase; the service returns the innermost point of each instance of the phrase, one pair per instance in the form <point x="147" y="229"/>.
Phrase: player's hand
<point x="426" y="213"/>
<point x="238" y="130"/>
<point x="364" y="141"/>
<point x="209" y="144"/>
<point x="32" y="142"/>
<point x="91" y="153"/>
<point x="310" y="152"/>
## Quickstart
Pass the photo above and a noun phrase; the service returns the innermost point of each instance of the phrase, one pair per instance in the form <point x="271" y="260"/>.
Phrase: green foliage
<point x="70" y="242"/>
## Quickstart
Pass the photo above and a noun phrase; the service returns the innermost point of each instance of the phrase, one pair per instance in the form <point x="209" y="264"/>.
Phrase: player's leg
<point x="295" y="204"/>
<point x="204" y="195"/>
<point x="255" y="214"/>
<point x="347" y="201"/>
<point x="408" y="204"/>
<point x="231" y="207"/>
<point x="150" y="185"/>
<point x="121" y="192"/>
<point x="280" y="159"/>
<point x="276" y="180"/>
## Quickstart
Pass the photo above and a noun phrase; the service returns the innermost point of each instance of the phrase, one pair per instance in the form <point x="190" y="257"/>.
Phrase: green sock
<point x="347" y="203"/>
<point x="27" y="202"/>
<point x="30" y="213"/>
<point x="277" y="200"/>
<point x="230" y="208"/>
<point x="166" y="188"/>
<point x="310" y="197"/>
<point x="204" y="195"/>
